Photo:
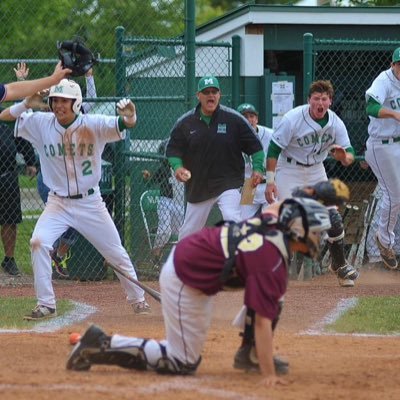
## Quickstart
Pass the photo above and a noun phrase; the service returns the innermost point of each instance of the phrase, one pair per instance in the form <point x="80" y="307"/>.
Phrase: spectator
<point x="170" y="208"/>
<point x="206" y="150"/>
<point x="10" y="198"/>
<point x="264" y="134"/>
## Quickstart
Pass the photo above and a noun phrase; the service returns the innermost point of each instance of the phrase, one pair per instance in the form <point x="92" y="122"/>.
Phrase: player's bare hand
<point x="271" y="193"/>
<point x="337" y="152"/>
<point x="256" y="178"/>
<point x="22" y="71"/>
<point x="273" y="380"/>
<point x="182" y="174"/>
<point x="126" y="108"/>
<point x="60" y="73"/>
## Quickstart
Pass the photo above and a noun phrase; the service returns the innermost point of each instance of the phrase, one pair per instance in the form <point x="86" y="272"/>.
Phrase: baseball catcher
<point x="75" y="56"/>
<point x="198" y="268"/>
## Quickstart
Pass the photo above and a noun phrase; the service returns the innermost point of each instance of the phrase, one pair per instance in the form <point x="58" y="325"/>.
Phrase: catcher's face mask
<point x="75" y="56"/>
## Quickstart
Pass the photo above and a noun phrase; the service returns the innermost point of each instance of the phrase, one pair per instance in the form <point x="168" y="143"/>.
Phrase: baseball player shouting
<point x="205" y="151"/>
<point x="250" y="255"/>
<point x="383" y="153"/>
<point x="264" y="134"/>
<point x="70" y="145"/>
<point x="299" y="145"/>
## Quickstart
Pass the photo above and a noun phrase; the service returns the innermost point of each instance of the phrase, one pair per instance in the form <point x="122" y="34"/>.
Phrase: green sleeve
<point x="175" y="162"/>
<point x="350" y="150"/>
<point x="273" y="150"/>
<point x="373" y="107"/>
<point x="121" y="124"/>
<point x="257" y="160"/>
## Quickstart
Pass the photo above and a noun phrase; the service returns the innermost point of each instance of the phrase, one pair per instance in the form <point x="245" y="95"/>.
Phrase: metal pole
<point x="190" y="53"/>
<point x="307" y="63"/>
<point x="119" y="159"/>
<point x="235" y="71"/>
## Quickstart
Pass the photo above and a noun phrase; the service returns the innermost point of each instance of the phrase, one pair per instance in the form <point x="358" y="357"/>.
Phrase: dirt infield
<point x="321" y="366"/>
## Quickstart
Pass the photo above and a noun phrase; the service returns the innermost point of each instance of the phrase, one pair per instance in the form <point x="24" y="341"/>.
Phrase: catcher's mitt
<point x="75" y="56"/>
<point x="329" y="193"/>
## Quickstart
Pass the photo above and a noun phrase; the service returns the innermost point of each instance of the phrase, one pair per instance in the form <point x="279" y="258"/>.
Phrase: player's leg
<point x="195" y="217"/>
<point x="187" y="315"/>
<point x="93" y="221"/>
<point x="50" y="225"/>
<point x="229" y="205"/>
<point x="389" y="182"/>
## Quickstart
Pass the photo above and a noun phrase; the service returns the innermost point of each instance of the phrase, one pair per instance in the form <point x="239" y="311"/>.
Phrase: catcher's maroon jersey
<point x="199" y="260"/>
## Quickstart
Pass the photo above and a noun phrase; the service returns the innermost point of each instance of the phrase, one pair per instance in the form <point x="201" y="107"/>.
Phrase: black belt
<point x="289" y="160"/>
<point x="77" y="196"/>
<point x="394" y="140"/>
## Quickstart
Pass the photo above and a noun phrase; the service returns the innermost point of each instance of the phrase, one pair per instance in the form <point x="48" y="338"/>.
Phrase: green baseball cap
<point x="207" y="82"/>
<point x="247" y="108"/>
<point x="396" y="55"/>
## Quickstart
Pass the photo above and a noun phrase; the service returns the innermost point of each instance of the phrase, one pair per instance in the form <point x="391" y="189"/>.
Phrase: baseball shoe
<point x="41" y="312"/>
<point x="246" y="359"/>
<point x="59" y="265"/>
<point x="388" y="255"/>
<point x="346" y="275"/>
<point x="94" y="341"/>
<point x="141" y="308"/>
<point x="10" y="267"/>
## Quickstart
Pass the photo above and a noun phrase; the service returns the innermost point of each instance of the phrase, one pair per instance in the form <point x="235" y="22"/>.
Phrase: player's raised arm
<point x="21" y="89"/>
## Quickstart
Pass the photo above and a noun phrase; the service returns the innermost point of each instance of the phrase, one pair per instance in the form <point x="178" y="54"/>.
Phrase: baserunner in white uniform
<point x="383" y="153"/>
<point x="299" y="145"/>
<point x="264" y="134"/>
<point x="70" y="145"/>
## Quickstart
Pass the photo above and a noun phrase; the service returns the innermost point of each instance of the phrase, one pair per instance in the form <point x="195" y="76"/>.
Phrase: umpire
<point x="10" y="199"/>
<point x="206" y="152"/>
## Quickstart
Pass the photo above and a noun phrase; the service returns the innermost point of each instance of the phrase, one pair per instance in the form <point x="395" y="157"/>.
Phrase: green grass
<point x="26" y="182"/>
<point x="371" y="315"/>
<point x="12" y="311"/>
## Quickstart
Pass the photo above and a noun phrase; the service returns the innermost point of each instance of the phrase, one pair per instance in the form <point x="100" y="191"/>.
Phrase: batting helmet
<point x="75" y="56"/>
<point x="67" y="89"/>
<point x="303" y="220"/>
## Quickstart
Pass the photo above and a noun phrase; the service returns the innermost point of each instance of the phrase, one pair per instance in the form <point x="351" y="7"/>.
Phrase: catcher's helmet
<point x="75" y="56"/>
<point x="68" y="89"/>
<point x="303" y="220"/>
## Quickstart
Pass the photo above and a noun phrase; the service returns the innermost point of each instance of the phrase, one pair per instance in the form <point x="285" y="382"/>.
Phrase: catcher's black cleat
<point x="92" y="343"/>
<point x="346" y="275"/>
<point x="245" y="359"/>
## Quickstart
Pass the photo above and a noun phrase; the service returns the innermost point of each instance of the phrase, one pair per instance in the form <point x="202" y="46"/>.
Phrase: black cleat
<point x="93" y="342"/>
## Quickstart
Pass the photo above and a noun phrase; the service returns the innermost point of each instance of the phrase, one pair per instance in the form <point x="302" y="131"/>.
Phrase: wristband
<point x="270" y="177"/>
<point x="17" y="109"/>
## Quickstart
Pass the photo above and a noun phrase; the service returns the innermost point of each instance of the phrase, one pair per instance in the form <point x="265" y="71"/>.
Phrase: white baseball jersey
<point x="302" y="139"/>
<point x="386" y="91"/>
<point x="70" y="158"/>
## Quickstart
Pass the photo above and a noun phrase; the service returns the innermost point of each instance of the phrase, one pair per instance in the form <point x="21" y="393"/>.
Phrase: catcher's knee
<point x="336" y="231"/>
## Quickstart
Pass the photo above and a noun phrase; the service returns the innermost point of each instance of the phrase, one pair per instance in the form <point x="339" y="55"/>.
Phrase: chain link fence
<point x="351" y="66"/>
<point x="147" y="64"/>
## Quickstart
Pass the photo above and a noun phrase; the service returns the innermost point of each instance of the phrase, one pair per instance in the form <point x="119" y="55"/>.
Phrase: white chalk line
<point x="193" y="385"/>
<point x="341" y="308"/>
<point x="80" y="312"/>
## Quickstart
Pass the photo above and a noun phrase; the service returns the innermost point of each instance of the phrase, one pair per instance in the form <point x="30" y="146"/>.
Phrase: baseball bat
<point x="153" y="293"/>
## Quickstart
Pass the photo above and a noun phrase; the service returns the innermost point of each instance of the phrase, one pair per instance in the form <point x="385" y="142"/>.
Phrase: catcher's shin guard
<point x="335" y="239"/>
